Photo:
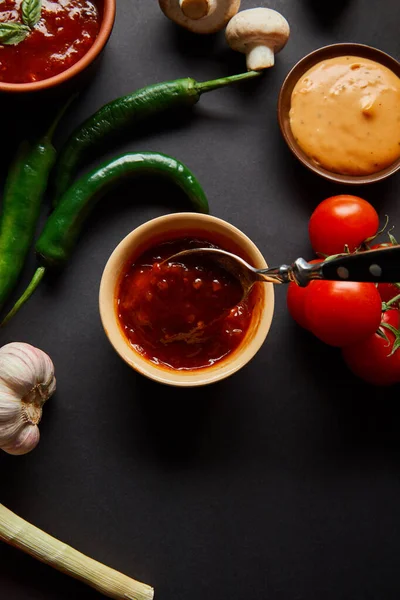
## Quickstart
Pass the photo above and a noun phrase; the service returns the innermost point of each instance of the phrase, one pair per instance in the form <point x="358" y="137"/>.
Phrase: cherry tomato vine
<point x="362" y="319"/>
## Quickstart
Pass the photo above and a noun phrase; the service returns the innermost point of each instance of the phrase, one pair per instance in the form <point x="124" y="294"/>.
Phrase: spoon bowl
<point x="233" y="264"/>
<point x="376" y="266"/>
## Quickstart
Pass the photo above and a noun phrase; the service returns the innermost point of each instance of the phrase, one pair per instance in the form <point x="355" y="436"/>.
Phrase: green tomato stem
<point x="388" y="304"/>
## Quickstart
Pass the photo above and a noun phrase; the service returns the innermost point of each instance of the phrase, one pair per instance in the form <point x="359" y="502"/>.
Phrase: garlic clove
<point x="26" y="381"/>
<point x="10" y="406"/>
<point x="26" y="440"/>
<point x="22" y="364"/>
<point x="10" y="429"/>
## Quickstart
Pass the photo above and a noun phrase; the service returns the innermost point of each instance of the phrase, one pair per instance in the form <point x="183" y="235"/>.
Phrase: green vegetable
<point x="31" y="12"/>
<point x="127" y="111"/>
<point x="24" y="189"/>
<point x="12" y="33"/>
<point x="61" y="231"/>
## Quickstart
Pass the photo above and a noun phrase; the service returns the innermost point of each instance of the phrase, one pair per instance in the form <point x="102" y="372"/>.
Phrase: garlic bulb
<point x="26" y="382"/>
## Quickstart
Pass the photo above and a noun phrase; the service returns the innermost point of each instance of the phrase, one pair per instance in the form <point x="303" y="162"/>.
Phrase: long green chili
<point x="125" y="112"/>
<point x="63" y="227"/>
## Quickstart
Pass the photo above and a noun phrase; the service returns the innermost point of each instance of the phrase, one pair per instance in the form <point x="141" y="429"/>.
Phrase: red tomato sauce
<point x="65" y="32"/>
<point x="181" y="315"/>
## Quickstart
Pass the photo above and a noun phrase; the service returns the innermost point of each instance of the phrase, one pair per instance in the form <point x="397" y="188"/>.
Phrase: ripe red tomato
<point x="295" y="299"/>
<point x="370" y="358"/>
<point x="342" y="313"/>
<point x="387" y="290"/>
<point x="341" y="220"/>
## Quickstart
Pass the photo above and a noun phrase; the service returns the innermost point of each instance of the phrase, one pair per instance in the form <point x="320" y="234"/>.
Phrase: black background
<point x="280" y="483"/>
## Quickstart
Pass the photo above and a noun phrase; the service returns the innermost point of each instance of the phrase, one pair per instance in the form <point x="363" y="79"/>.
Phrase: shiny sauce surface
<point x="185" y="315"/>
<point x="345" y="115"/>
<point x="64" y="34"/>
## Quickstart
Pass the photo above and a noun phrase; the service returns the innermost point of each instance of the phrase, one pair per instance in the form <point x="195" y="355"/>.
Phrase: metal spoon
<point x="377" y="266"/>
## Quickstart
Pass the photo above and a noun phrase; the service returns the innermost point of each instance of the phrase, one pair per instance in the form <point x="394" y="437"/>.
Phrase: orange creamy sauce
<point x="345" y="115"/>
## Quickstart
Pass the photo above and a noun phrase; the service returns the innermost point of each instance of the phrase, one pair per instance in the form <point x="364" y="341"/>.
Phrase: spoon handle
<point x="377" y="266"/>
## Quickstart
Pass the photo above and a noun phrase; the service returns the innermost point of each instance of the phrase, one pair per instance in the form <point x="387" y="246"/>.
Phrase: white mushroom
<point x="200" y="16"/>
<point x="259" y="33"/>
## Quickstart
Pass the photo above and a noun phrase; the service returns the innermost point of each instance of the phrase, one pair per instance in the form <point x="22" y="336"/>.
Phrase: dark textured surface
<point x="279" y="483"/>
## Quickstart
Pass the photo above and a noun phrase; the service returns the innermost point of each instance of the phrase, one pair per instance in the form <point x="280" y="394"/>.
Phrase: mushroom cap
<point x="257" y="26"/>
<point x="215" y="21"/>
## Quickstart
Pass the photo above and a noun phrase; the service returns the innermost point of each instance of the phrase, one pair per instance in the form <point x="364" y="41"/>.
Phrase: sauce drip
<point x="65" y="32"/>
<point x="345" y="115"/>
<point x="181" y="315"/>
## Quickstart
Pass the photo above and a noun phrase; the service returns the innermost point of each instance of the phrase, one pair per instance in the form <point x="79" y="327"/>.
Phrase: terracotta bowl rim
<point x="106" y="27"/>
<point x="300" y="67"/>
<point x="109" y="319"/>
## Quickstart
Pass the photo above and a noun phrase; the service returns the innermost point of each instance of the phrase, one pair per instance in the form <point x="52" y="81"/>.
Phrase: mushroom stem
<point x="197" y="9"/>
<point x="259" y="33"/>
<point x="260" y="57"/>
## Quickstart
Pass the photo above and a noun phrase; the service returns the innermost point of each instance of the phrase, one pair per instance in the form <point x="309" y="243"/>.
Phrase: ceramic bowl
<point x="167" y="227"/>
<point x="284" y="102"/>
<point x="107" y="9"/>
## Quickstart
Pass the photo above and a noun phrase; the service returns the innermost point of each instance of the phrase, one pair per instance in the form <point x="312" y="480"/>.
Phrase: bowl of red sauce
<point x="44" y="43"/>
<point x="183" y="323"/>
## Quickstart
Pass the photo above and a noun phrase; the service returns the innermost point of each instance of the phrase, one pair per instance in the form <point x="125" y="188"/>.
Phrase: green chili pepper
<point x="62" y="228"/>
<point x="126" y="111"/>
<point x="24" y="189"/>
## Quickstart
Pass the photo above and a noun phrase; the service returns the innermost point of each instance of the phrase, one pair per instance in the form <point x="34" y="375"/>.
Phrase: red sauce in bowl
<point x="181" y="316"/>
<point x="65" y="32"/>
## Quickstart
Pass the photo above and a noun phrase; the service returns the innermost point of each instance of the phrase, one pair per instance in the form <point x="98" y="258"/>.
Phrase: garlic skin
<point x="26" y="381"/>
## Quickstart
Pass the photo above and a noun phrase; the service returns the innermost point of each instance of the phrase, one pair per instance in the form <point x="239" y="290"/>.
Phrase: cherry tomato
<point x="387" y="290"/>
<point x="341" y="313"/>
<point x="370" y="358"/>
<point x="339" y="221"/>
<point x="295" y="299"/>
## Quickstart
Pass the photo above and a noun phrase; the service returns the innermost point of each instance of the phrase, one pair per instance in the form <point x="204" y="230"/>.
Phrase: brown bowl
<point x="107" y="9"/>
<point x="284" y="102"/>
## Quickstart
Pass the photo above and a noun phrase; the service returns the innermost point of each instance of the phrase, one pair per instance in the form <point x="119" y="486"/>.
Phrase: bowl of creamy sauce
<point x="339" y="112"/>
